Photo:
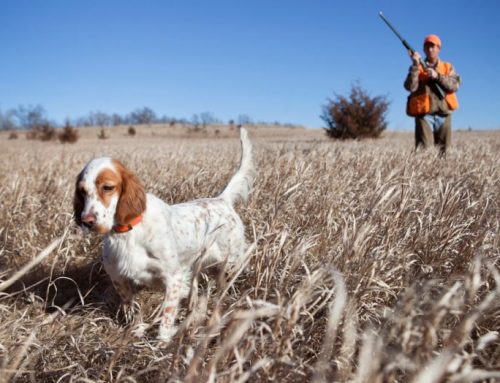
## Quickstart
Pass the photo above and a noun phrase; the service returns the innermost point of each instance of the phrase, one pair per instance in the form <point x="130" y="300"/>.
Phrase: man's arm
<point x="411" y="82"/>
<point x="451" y="82"/>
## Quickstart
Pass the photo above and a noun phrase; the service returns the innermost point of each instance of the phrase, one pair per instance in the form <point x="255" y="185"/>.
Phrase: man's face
<point x="431" y="51"/>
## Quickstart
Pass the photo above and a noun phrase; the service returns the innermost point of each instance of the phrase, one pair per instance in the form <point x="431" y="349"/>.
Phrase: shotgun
<point x="433" y="84"/>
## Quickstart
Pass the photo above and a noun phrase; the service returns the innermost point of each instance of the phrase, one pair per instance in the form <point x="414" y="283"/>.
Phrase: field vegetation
<point x="367" y="262"/>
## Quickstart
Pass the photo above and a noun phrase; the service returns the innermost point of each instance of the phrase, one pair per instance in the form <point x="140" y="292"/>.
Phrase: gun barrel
<point x="405" y="43"/>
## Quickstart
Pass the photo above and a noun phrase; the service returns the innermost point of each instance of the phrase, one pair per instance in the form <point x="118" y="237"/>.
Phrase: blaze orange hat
<point x="434" y="39"/>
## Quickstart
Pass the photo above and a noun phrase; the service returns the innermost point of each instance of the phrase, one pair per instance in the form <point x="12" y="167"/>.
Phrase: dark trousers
<point x="431" y="129"/>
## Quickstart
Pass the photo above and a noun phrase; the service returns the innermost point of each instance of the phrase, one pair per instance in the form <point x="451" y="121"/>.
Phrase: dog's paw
<point x="128" y="313"/>
<point x="165" y="336"/>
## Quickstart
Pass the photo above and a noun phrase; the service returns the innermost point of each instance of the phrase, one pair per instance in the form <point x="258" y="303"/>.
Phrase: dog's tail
<point x="240" y="185"/>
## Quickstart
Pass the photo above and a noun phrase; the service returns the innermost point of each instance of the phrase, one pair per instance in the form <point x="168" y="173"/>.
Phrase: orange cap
<point x="434" y="39"/>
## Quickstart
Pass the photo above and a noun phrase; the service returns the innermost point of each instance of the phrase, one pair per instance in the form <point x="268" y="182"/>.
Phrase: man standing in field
<point x="432" y="112"/>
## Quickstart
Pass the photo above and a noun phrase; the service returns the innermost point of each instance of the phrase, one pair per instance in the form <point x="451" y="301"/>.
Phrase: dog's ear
<point x="132" y="200"/>
<point x="78" y="201"/>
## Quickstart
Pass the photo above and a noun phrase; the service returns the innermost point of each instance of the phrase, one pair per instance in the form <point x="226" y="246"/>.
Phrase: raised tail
<point x="240" y="185"/>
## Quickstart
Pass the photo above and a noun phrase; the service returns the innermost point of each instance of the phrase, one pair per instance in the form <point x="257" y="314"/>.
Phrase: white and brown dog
<point x="147" y="240"/>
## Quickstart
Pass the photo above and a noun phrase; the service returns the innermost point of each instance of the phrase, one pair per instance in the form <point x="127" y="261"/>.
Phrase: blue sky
<point x="272" y="60"/>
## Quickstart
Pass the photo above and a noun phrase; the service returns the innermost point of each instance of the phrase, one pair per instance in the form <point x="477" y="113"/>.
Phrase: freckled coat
<point x="160" y="242"/>
<point x="170" y="238"/>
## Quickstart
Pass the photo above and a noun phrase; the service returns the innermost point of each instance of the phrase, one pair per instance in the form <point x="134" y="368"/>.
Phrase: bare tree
<point x="207" y="118"/>
<point x="7" y="120"/>
<point x="101" y="119"/>
<point x="31" y="116"/>
<point x="143" y="116"/>
<point x="244" y="119"/>
<point x="116" y="119"/>
<point x="195" y="120"/>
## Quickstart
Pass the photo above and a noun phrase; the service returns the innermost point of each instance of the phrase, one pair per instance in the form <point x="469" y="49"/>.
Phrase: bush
<point x="131" y="131"/>
<point x="42" y="132"/>
<point x="355" y="117"/>
<point x="102" y="134"/>
<point x="68" y="135"/>
<point x="13" y="136"/>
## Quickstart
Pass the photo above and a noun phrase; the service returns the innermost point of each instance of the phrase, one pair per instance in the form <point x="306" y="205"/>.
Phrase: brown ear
<point x="132" y="201"/>
<point x="78" y="202"/>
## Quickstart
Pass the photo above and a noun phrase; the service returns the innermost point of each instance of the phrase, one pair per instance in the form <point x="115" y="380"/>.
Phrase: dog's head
<point x="107" y="194"/>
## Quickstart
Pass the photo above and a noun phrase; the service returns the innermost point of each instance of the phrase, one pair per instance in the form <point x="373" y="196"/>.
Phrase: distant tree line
<point x="26" y="117"/>
<point x="31" y="116"/>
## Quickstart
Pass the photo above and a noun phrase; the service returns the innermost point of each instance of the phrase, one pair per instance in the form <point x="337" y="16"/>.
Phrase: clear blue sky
<point x="273" y="60"/>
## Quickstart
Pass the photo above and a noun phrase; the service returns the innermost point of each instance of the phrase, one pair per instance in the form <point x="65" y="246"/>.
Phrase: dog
<point x="147" y="240"/>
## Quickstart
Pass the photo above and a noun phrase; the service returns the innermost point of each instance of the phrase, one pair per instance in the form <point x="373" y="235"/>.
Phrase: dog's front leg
<point x="173" y="290"/>
<point x="125" y="291"/>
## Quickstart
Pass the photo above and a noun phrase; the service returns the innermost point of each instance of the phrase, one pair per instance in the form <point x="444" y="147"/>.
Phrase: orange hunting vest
<point x="419" y="102"/>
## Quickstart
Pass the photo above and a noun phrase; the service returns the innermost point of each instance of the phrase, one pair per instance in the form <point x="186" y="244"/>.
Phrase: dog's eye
<point x="108" y="188"/>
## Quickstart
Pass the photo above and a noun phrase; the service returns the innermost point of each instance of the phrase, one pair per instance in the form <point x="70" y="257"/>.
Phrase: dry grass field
<point x="368" y="263"/>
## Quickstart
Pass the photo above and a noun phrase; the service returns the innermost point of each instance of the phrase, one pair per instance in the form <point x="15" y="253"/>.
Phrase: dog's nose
<point x="88" y="220"/>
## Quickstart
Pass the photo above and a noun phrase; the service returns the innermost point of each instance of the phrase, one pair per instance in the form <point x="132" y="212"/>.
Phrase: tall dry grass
<point x="367" y="264"/>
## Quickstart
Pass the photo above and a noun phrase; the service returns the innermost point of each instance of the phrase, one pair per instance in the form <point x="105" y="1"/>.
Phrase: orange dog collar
<point x="129" y="226"/>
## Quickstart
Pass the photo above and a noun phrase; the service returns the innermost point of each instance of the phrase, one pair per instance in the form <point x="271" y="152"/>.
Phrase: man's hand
<point x="415" y="57"/>
<point x="432" y="73"/>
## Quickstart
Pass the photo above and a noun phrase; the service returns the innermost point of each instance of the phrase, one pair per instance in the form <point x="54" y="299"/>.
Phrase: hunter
<point x="431" y="106"/>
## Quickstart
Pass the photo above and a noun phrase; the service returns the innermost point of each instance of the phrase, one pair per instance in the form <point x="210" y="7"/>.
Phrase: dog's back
<point x="211" y="226"/>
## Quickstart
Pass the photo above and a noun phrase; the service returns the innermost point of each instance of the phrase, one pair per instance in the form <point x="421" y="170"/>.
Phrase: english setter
<point x="147" y="240"/>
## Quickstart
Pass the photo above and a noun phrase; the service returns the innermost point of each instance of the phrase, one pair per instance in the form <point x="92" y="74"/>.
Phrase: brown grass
<point x="368" y="263"/>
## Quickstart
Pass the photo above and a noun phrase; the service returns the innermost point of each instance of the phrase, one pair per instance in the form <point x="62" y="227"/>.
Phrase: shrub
<point x="69" y="134"/>
<point x="13" y="136"/>
<point x="357" y="116"/>
<point x="42" y="132"/>
<point x="131" y="131"/>
<point x="102" y="134"/>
